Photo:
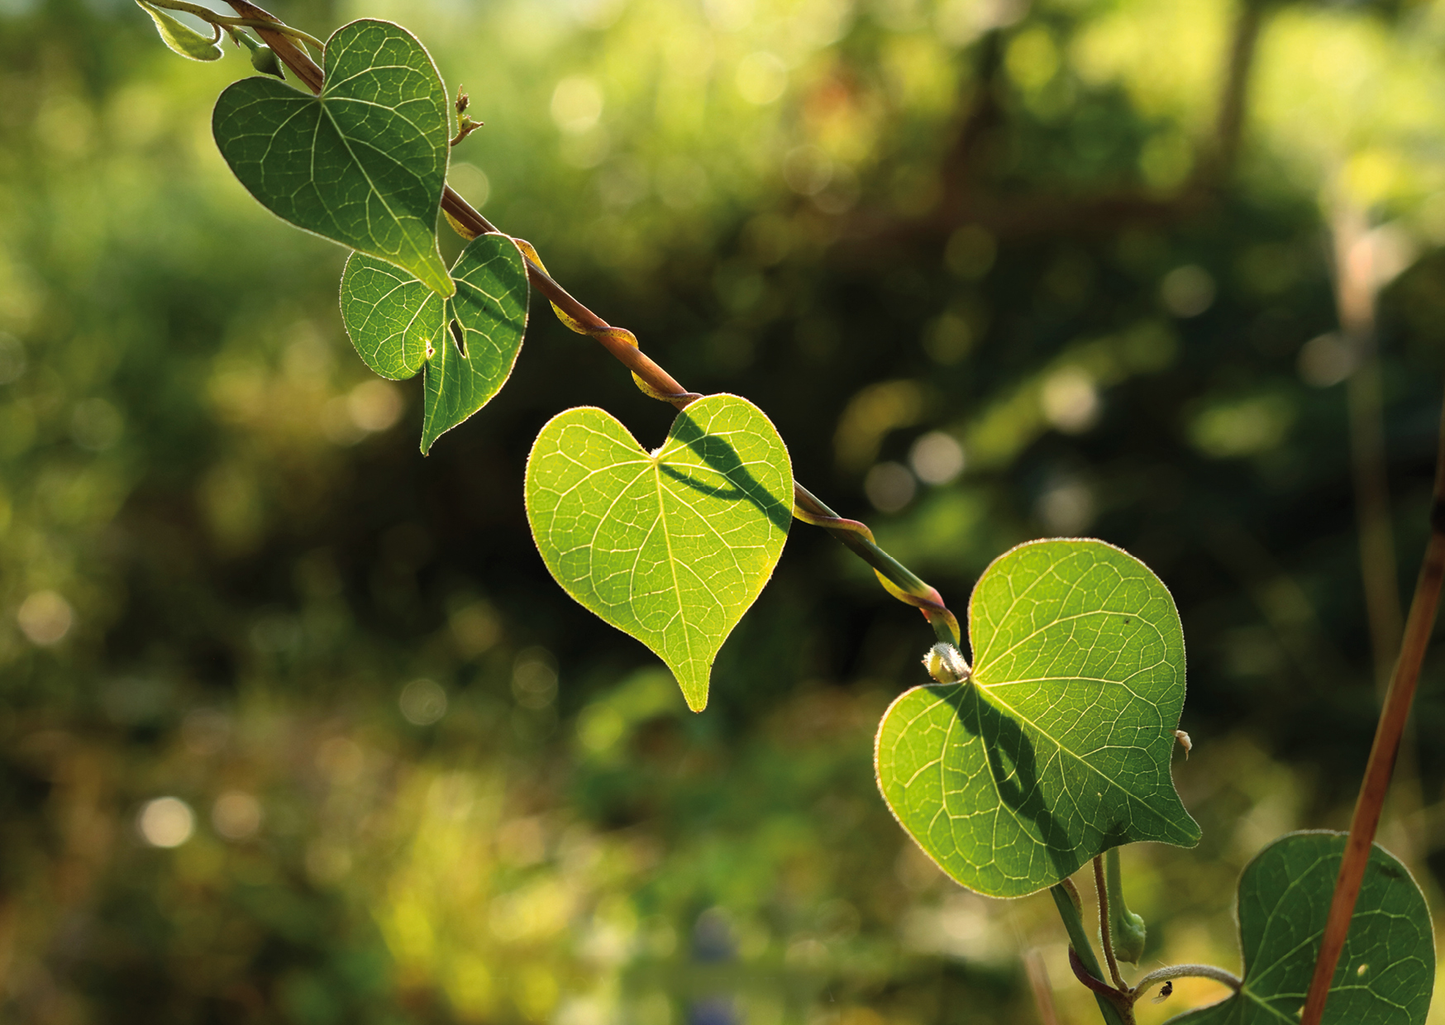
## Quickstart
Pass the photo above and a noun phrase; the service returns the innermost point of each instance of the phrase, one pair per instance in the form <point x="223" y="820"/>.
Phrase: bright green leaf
<point x="1387" y="969"/>
<point x="1058" y="747"/>
<point x="399" y="326"/>
<point x="183" y="39"/>
<point x="364" y="163"/>
<point x="670" y="546"/>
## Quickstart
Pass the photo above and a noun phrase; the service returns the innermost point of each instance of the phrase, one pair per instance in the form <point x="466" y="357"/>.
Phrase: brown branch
<point x="651" y="378"/>
<point x="1376" y="783"/>
<point x="964" y="203"/>
<point x="1229" y="123"/>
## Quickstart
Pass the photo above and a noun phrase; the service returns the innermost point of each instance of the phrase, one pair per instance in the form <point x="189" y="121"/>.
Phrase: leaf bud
<point x="945" y="664"/>
<point x="264" y="60"/>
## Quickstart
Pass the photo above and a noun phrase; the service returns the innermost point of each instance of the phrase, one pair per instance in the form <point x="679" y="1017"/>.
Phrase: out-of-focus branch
<point x="1234" y="95"/>
<point x="1357" y="279"/>
<point x="965" y="201"/>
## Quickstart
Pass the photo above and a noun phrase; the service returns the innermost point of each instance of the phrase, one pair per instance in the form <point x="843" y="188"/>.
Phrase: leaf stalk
<point x="1105" y="933"/>
<point x="1180" y="971"/>
<point x="1113" y="1005"/>
<point x="220" y="21"/>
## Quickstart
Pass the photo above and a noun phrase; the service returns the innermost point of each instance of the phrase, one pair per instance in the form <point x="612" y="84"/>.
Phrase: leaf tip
<point x="694" y="692"/>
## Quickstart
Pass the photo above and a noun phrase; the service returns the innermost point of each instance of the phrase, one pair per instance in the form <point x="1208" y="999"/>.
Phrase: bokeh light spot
<point x="576" y="104"/>
<point x="936" y="458"/>
<point x="236" y="815"/>
<point x="423" y="702"/>
<point x="1187" y="291"/>
<point x="534" y="678"/>
<point x="761" y="77"/>
<point x="889" y="486"/>
<point x="166" y="822"/>
<point x="45" y="618"/>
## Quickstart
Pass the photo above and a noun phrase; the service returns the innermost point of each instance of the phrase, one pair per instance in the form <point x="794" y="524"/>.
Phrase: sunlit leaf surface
<point x="183" y="39"/>
<point x="363" y="163"/>
<point x="670" y="546"/>
<point x="468" y="343"/>
<point x="1387" y="970"/>
<point x="1059" y="745"/>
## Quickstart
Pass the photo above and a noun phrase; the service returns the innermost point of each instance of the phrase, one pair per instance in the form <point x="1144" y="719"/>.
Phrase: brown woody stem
<point x="1393" y="717"/>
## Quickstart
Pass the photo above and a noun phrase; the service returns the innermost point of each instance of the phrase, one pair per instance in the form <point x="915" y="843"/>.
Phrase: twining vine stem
<point x="896" y="579"/>
<point x="1104" y="931"/>
<point x="1180" y="971"/>
<point x="1398" y="698"/>
<point x="1115" y="1002"/>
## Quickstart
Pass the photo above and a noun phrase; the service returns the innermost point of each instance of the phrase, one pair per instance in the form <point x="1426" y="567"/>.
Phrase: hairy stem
<point x="1393" y="717"/>
<point x="1104" y="932"/>
<point x="1180" y="971"/>
<point x="896" y="579"/>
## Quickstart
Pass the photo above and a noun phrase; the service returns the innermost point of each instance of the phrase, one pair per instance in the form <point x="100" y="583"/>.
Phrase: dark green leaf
<point x="364" y="163"/>
<point x="399" y="326"/>
<point x="1387" y="970"/>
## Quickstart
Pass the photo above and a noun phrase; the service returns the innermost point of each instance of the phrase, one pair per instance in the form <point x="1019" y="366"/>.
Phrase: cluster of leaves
<point x="1053" y="749"/>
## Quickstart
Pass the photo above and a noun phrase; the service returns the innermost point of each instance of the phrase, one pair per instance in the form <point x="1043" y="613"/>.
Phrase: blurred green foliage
<point x="996" y="271"/>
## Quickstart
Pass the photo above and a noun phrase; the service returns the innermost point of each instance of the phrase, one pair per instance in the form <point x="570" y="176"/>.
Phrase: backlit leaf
<point x="1058" y="747"/>
<point x="399" y="326"/>
<point x="670" y="546"/>
<point x="183" y="39"/>
<point x="363" y="163"/>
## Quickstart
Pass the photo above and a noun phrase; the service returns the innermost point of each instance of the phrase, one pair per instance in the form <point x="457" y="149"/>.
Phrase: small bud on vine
<point x="264" y="60"/>
<point x="945" y="664"/>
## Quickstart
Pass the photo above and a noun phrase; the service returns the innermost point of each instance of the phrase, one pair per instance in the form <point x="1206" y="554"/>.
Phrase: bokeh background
<point x="294" y="727"/>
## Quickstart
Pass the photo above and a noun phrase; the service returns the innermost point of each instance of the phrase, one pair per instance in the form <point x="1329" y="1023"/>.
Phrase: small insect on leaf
<point x="183" y="39"/>
<point x="1184" y="742"/>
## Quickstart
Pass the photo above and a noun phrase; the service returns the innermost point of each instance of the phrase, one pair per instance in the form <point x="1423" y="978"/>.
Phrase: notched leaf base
<point x="1058" y="747"/>
<point x="673" y="546"/>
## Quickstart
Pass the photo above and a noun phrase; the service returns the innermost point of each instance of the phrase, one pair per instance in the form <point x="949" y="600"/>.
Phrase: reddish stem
<point x="1391" y="728"/>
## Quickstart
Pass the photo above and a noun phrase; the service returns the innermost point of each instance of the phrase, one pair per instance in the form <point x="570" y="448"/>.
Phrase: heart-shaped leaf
<point x="1058" y="746"/>
<point x="183" y="39"/>
<point x="670" y="546"/>
<point x="1387" y="970"/>
<point x="363" y="163"/>
<point x="468" y="343"/>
